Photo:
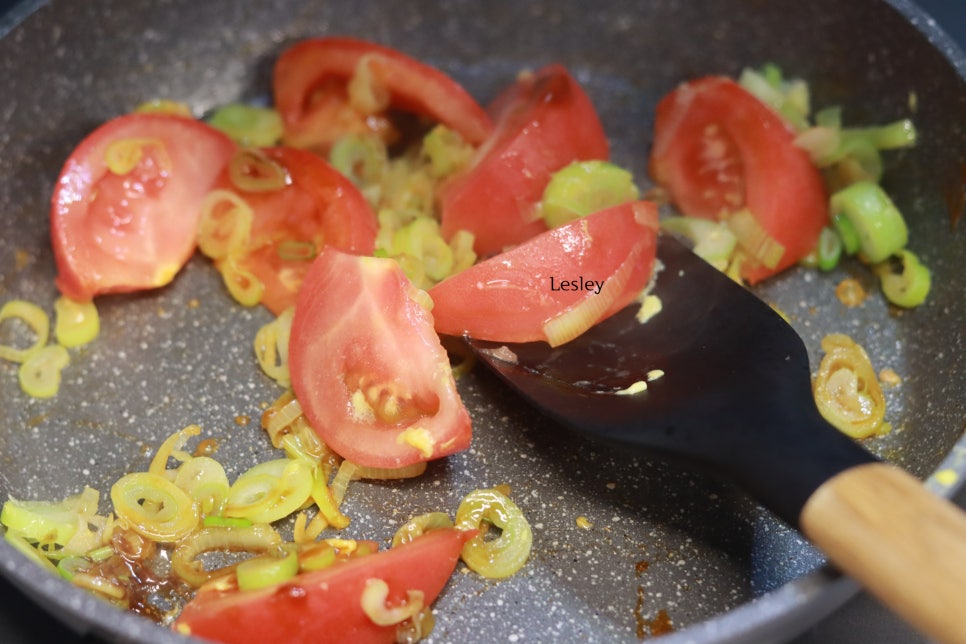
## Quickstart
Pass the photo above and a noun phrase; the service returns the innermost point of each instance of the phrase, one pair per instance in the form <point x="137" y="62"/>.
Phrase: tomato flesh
<point x="317" y="207"/>
<point x="543" y="122"/>
<point x="134" y="226"/>
<point x="718" y="149"/>
<point x="325" y="605"/>
<point x="588" y="269"/>
<point x="310" y="81"/>
<point x="367" y="367"/>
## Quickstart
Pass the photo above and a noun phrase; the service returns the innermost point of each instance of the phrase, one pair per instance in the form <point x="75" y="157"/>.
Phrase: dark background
<point x="862" y="619"/>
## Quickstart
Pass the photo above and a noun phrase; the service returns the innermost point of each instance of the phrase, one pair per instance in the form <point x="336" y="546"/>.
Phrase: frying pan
<point x="663" y="538"/>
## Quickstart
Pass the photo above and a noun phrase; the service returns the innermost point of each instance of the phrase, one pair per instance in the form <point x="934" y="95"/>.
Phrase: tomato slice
<point x="718" y="149"/>
<point x="124" y="212"/>
<point x="543" y="122"/>
<point x="317" y="206"/>
<point x="556" y="285"/>
<point x="310" y="80"/>
<point x="367" y="368"/>
<point x="325" y="605"/>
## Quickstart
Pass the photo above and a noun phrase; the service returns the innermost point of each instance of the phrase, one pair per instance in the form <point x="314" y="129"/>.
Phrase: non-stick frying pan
<point x="663" y="538"/>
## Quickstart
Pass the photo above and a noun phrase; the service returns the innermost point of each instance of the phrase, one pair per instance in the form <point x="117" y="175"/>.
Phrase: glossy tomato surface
<point x="556" y="285"/>
<point x="325" y="606"/>
<point x="718" y="149"/>
<point x="367" y="367"/>
<point x="310" y="88"/>
<point x="316" y="207"/>
<point x="125" y="210"/>
<point x="543" y="121"/>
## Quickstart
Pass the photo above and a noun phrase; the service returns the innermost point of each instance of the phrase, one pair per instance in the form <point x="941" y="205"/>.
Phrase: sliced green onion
<point x="360" y="157"/>
<point x="713" y="240"/>
<point x="242" y="284"/>
<point x="251" y="170"/>
<point x="585" y="187"/>
<point x="123" y="155"/>
<point x="19" y="543"/>
<point x="248" y="125"/>
<point x="505" y="555"/>
<point x="754" y="239"/>
<point x="205" y="481"/>
<point x="154" y="507"/>
<point x="271" y="350"/>
<point x="77" y="323"/>
<point x="461" y="243"/>
<point x="421" y="240"/>
<point x="446" y="150"/>
<point x="225" y="225"/>
<point x="271" y="491"/>
<point x="215" y="521"/>
<point x="294" y="250"/>
<point x="829" y="249"/>
<point x="258" y="538"/>
<point x="907" y="287"/>
<point x="420" y="525"/>
<point x="847" y="233"/>
<point x="70" y="566"/>
<point x="373" y="600"/>
<point x="39" y="374"/>
<point x="789" y="98"/>
<point x="857" y="160"/>
<point x="268" y="569"/>
<point x="879" y="224"/>
<point x="316" y="556"/>
<point x="37" y="322"/>
<point x="896" y="135"/>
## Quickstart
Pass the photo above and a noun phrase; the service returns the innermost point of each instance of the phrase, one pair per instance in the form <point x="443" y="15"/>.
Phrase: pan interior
<point x="666" y="543"/>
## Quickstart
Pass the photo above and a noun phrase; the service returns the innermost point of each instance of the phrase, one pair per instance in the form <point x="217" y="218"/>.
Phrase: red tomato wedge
<point x="367" y="367"/>
<point x="556" y="285"/>
<point x="310" y="88"/>
<point x="325" y="606"/>
<point x="543" y="122"/>
<point x="124" y="213"/>
<point x="316" y="207"/>
<point x="718" y="149"/>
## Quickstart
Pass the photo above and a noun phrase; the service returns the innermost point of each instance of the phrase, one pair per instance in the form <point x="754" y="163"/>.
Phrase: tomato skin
<point x="543" y="122"/>
<point x="717" y="149"/>
<point x="324" y="606"/>
<point x="119" y="233"/>
<point x="509" y="297"/>
<point x="319" y="205"/>
<point x="357" y="332"/>
<point x="309" y="86"/>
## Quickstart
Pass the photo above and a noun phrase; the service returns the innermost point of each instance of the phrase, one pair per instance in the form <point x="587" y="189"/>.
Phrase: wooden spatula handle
<point x="904" y="544"/>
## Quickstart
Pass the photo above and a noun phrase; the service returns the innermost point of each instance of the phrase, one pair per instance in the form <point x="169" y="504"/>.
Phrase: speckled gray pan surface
<point x="721" y="568"/>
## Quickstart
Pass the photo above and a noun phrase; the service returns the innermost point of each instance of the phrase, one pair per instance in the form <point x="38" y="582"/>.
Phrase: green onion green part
<point x="879" y="225"/>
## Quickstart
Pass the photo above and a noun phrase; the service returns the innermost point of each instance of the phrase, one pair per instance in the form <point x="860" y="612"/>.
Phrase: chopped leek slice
<point x="847" y="233"/>
<point x="829" y="249"/>
<point x="910" y="285"/>
<point x="154" y="507"/>
<point x="39" y="374"/>
<point x="37" y="322"/>
<point x="879" y="224"/>
<point x="248" y="125"/>
<point x="268" y="569"/>
<point x="585" y="187"/>
<point x="505" y="555"/>
<point x="77" y="323"/>
<point x="713" y="241"/>
<point x="271" y="491"/>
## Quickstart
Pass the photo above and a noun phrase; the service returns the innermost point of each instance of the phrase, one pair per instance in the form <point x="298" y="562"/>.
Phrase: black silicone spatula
<point x="719" y="379"/>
